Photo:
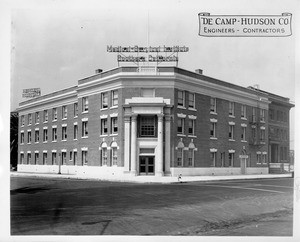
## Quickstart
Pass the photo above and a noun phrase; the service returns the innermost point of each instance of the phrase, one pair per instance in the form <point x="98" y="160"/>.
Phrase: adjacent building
<point x="161" y="121"/>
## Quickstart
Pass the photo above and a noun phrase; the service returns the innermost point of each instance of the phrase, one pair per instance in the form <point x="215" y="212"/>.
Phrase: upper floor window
<point x="37" y="136"/>
<point x="271" y="114"/>
<point x="37" y="117"/>
<point x="45" y="135"/>
<point x="54" y="134"/>
<point x="22" y="120"/>
<point x="85" y="104"/>
<point x="54" y="114"/>
<point x="29" y="137"/>
<point x="75" y="131"/>
<point x="75" y="110"/>
<point x="243" y="111"/>
<point x="231" y="108"/>
<point x="147" y="126"/>
<point x="104" y="128"/>
<point x="114" y="125"/>
<point x="29" y="119"/>
<point x="191" y="100"/>
<point x="180" y="126"/>
<point x="262" y="115"/>
<point x="231" y="128"/>
<point x="45" y="116"/>
<point x="64" y="133"/>
<point x="114" y="98"/>
<point x="180" y="101"/>
<point x="213" y="130"/>
<point x="64" y="112"/>
<point x="213" y="104"/>
<point x="243" y="134"/>
<point x="104" y="100"/>
<point x="22" y="138"/>
<point x="191" y="129"/>
<point x="85" y="132"/>
<point x="262" y="135"/>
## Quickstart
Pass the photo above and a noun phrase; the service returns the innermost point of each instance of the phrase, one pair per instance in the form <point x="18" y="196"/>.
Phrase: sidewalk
<point x="152" y="179"/>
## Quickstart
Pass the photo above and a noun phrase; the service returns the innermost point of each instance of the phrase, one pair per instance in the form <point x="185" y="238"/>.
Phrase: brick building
<point x="160" y="121"/>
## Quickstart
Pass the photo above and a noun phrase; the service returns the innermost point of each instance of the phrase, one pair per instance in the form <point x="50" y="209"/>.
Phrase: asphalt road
<point x="42" y="206"/>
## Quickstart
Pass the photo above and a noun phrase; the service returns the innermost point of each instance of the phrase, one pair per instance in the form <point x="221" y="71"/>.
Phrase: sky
<point x="55" y="44"/>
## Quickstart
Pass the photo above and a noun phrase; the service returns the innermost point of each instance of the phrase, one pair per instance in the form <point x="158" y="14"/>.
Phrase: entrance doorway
<point x="146" y="165"/>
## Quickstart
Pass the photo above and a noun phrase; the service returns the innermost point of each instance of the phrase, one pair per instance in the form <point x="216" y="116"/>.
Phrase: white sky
<point x="54" y="44"/>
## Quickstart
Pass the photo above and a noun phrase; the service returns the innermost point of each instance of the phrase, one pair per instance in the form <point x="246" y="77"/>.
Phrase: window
<point x="264" y="158"/>
<point x="262" y="135"/>
<point x="231" y="108"/>
<point x="114" y="98"/>
<point x="21" y="158"/>
<point x="147" y="126"/>
<point x="253" y="132"/>
<point x="75" y="110"/>
<point x="191" y="157"/>
<point x="262" y="115"/>
<point x="104" y="100"/>
<point x="213" y="105"/>
<point x="85" y="132"/>
<point x="54" y="114"/>
<point x="253" y="114"/>
<point x="191" y="100"/>
<point x="114" y="125"/>
<point x="231" y="128"/>
<point x="45" y="135"/>
<point x="104" y="156"/>
<point x="71" y="155"/>
<point x="44" y="158"/>
<point x="243" y="111"/>
<point x="180" y="126"/>
<point x="37" y="117"/>
<point x="54" y="134"/>
<point x="213" y="130"/>
<point x="104" y="128"/>
<point x="53" y="158"/>
<point x="37" y="136"/>
<point x="213" y="157"/>
<point x="22" y="138"/>
<point x="22" y="120"/>
<point x="64" y="113"/>
<point x="243" y="134"/>
<point x="180" y="98"/>
<point x="180" y="157"/>
<point x="191" y="126"/>
<point x="63" y="157"/>
<point x="64" y="133"/>
<point x="28" y="158"/>
<point x="29" y="119"/>
<point x="75" y="131"/>
<point x="231" y="159"/>
<point x="36" y="158"/>
<point x="114" y="155"/>
<point x="258" y="157"/>
<point x="29" y="137"/>
<point x="75" y="158"/>
<point x="45" y="116"/>
<point x="85" y="104"/>
<point x="147" y="92"/>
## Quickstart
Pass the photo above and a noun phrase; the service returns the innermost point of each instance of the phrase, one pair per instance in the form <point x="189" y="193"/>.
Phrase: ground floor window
<point x="258" y="158"/>
<point x="44" y="158"/>
<point x="231" y="159"/>
<point x="191" y="155"/>
<point x="180" y="156"/>
<point x="53" y="158"/>
<point x="213" y="157"/>
<point x="114" y="155"/>
<point x="104" y="156"/>
<point x="21" y="158"/>
<point x="75" y="157"/>
<point x="63" y="157"/>
<point x="84" y="157"/>
<point x="36" y="158"/>
<point x="28" y="158"/>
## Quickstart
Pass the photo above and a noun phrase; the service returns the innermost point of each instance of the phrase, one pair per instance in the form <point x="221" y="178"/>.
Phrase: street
<point x="42" y="206"/>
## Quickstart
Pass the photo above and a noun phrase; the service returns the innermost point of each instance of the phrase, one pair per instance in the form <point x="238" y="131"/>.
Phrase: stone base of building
<point x="118" y="173"/>
<point x="217" y="171"/>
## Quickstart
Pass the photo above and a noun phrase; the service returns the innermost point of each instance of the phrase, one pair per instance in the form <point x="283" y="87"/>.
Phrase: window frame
<point x="213" y="105"/>
<point x="85" y="104"/>
<point x="64" y="133"/>
<point x="84" y="128"/>
<point x="181" y="125"/>
<point x="54" y="114"/>
<point x="114" y="100"/>
<point x="103" y="126"/>
<point x="104" y="96"/>
<point x="192" y="103"/>
<point x="181" y="104"/>
<point x="231" y="109"/>
<point x="114" y="125"/>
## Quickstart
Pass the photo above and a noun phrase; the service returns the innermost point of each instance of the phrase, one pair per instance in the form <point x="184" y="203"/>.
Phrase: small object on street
<point x="179" y="178"/>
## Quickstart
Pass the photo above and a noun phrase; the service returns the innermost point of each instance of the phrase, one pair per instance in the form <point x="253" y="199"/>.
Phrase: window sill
<point x="54" y="141"/>
<point x="213" y="138"/>
<point x="113" y="107"/>
<point x="84" y="112"/>
<point x="44" y="142"/>
<point x="192" y="136"/>
<point x="103" y="135"/>
<point x="115" y="134"/>
<point x="45" y="122"/>
<point x="37" y="123"/>
<point x="214" y="113"/>
<point x="181" y="107"/>
<point x="192" y="109"/>
<point x="231" y="116"/>
<point x="84" y="137"/>
<point x="244" y="141"/>
<point x="54" y="120"/>
<point x="103" y="109"/>
<point x="76" y="116"/>
<point x="75" y="139"/>
<point x="231" y="140"/>
<point x="21" y="143"/>
<point x="181" y="135"/>
<point x="243" y="118"/>
<point x="64" y="119"/>
<point x="63" y="140"/>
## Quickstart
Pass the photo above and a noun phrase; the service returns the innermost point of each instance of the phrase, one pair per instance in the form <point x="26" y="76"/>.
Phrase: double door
<point x="146" y="165"/>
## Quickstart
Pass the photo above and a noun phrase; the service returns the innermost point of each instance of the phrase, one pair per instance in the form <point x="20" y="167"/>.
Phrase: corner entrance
<point x="146" y="165"/>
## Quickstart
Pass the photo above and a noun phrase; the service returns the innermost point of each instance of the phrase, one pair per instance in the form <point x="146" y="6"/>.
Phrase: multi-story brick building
<point x="150" y="121"/>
